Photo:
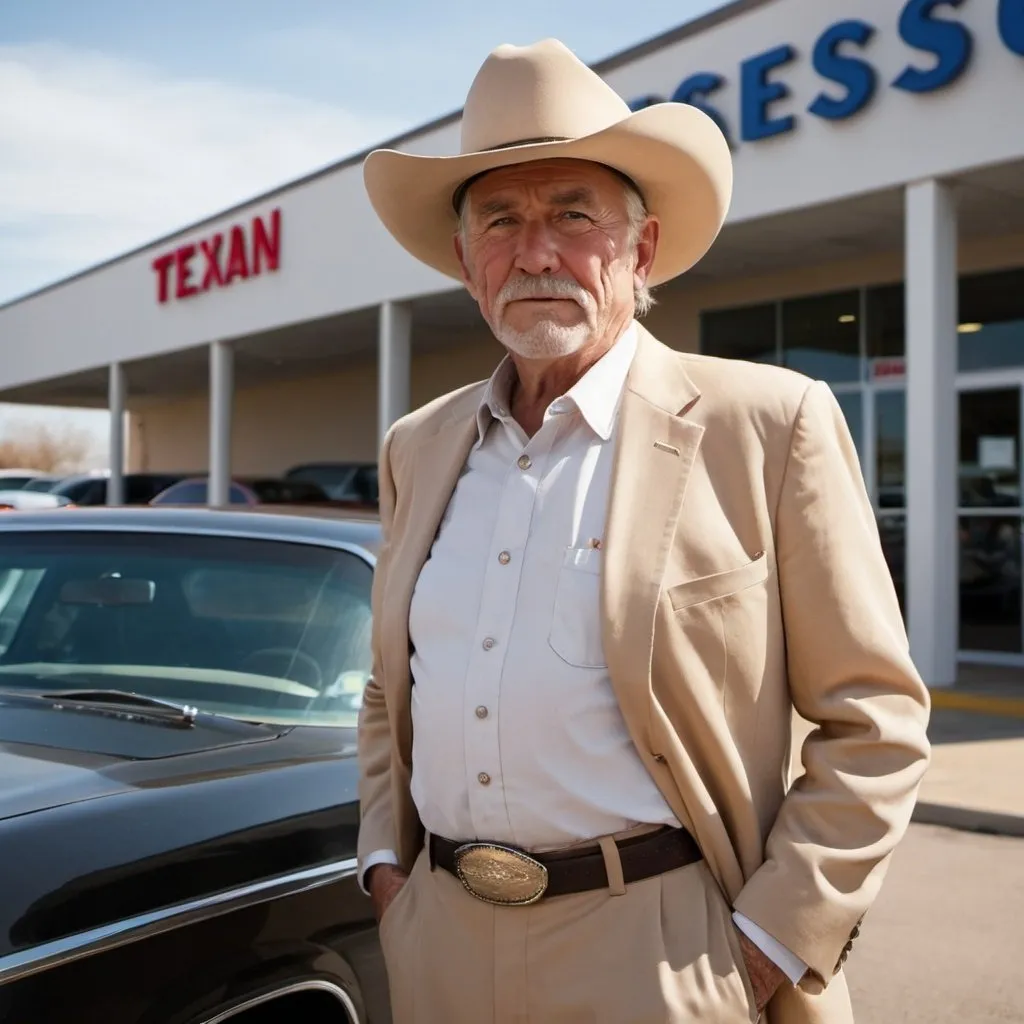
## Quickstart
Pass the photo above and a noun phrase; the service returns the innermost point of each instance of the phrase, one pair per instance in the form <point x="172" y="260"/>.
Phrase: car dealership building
<point x="875" y="240"/>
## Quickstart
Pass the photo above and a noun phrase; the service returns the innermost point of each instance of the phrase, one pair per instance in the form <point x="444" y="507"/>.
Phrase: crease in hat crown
<point x="556" y="97"/>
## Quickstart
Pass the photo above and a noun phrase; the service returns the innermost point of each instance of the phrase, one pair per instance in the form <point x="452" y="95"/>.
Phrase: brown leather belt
<point x="506" y="876"/>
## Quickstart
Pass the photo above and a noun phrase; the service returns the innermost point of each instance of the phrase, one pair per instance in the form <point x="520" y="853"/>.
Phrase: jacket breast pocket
<point x="719" y="584"/>
<point x="575" y="634"/>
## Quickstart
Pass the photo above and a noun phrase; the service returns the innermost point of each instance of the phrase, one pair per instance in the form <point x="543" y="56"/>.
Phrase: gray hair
<point x="636" y="212"/>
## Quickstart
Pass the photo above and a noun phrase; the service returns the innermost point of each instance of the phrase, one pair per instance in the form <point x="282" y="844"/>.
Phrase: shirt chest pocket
<point x="575" y="634"/>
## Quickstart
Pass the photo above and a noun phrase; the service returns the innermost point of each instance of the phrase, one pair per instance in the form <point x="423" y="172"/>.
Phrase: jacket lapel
<point x="431" y="479"/>
<point x="655" y="450"/>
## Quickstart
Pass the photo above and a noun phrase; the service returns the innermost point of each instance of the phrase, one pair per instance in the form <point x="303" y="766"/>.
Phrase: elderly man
<point x="609" y="575"/>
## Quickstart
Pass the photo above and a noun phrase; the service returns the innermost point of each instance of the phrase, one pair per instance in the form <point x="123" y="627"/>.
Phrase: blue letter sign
<point x="1011" y="24"/>
<point x="698" y="87"/>
<point x="758" y="92"/>
<point x="857" y="75"/>
<point x="839" y="57"/>
<point x="948" y="40"/>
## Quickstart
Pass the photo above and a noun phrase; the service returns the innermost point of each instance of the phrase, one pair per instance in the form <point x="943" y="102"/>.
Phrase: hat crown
<point x="537" y="92"/>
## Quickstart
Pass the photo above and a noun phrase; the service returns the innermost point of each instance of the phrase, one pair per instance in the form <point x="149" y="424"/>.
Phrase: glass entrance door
<point x="989" y="519"/>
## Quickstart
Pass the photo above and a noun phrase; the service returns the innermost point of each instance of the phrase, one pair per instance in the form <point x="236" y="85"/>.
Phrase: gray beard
<point x="545" y="340"/>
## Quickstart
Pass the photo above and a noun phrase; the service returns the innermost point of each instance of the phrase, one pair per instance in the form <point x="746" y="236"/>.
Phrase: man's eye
<point x="575" y="215"/>
<point x="500" y="222"/>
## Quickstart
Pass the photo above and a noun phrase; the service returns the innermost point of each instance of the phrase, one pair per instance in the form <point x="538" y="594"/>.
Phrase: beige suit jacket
<point x="743" y="578"/>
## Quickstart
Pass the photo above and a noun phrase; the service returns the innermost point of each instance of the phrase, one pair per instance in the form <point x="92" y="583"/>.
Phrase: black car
<point x="91" y="488"/>
<point x="354" y="482"/>
<point x="178" y="786"/>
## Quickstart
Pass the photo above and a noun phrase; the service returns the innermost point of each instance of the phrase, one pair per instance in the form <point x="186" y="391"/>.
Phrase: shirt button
<point x="481" y="712"/>
<point x="484" y="779"/>
<point x="489" y="643"/>
<point x="524" y="462"/>
<point x="504" y="558"/>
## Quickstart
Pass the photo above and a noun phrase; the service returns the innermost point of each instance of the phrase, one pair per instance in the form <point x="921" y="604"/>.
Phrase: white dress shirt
<point x="517" y="735"/>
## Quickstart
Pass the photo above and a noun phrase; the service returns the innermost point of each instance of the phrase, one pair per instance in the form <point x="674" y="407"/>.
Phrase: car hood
<point x="53" y="754"/>
<point x="93" y="833"/>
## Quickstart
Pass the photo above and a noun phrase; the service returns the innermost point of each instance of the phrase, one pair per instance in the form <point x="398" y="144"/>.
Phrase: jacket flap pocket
<point x="720" y="584"/>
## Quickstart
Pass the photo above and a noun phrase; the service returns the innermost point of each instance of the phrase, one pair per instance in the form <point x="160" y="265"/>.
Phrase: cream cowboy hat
<point x="539" y="102"/>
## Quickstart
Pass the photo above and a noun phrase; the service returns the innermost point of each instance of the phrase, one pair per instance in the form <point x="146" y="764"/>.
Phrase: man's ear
<point x="646" y="248"/>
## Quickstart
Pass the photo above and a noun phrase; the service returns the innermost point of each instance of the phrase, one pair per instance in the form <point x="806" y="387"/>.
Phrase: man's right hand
<point x="384" y="881"/>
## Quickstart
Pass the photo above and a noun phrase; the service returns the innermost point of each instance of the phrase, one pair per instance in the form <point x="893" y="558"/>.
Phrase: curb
<point x="980" y="703"/>
<point x="969" y="819"/>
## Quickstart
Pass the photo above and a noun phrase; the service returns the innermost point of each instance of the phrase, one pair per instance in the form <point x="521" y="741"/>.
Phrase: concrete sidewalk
<point x="976" y="778"/>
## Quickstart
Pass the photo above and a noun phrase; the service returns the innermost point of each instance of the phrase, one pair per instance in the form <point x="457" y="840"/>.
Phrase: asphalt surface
<point x="944" y="941"/>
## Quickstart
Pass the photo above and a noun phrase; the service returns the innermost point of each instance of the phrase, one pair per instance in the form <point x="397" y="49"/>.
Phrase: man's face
<point x="550" y="256"/>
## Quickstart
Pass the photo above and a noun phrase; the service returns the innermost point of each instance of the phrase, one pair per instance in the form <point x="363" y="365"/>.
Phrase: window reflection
<point x="821" y="336"/>
<point x="892" y="529"/>
<point x="990" y="448"/>
<point x="991" y="329"/>
<point x="990" y="585"/>
<point x="890" y="448"/>
<point x="886" y="317"/>
<point x="852" y="405"/>
<point x="744" y="333"/>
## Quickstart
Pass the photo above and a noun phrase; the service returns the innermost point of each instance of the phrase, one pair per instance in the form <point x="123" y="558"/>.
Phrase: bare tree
<point x="56" y="449"/>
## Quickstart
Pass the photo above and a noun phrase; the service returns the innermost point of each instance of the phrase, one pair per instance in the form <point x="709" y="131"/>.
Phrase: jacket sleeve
<point x="851" y="676"/>
<point x="376" y="827"/>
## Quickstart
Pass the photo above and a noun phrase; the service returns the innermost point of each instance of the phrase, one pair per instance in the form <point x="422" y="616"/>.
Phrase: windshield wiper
<point x="180" y="714"/>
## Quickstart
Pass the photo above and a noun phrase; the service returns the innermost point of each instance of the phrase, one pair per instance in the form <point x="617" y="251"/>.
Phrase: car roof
<point x="332" y="528"/>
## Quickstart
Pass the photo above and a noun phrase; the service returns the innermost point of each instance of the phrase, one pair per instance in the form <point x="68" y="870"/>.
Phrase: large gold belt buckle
<point x="500" y="874"/>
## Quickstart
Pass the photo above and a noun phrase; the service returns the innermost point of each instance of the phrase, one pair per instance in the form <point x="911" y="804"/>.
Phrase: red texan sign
<point x="216" y="262"/>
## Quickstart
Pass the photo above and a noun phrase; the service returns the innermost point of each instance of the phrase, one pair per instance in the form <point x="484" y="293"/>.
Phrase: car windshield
<point x="260" y="630"/>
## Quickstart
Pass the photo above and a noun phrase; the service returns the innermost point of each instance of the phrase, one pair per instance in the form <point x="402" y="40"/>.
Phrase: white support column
<point x="932" y="560"/>
<point x="394" y="356"/>
<point x="116" y="394"/>
<point x="221" y="402"/>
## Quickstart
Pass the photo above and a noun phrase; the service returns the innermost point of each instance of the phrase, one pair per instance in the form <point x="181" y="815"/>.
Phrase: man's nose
<point x="536" y="249"/>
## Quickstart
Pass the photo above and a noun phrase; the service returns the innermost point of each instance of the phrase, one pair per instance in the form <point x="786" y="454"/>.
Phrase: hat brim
<point x="675" y="153"/>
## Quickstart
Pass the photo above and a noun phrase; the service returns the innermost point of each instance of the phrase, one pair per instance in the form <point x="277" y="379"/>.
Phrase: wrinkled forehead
<point x="558" y="182"/>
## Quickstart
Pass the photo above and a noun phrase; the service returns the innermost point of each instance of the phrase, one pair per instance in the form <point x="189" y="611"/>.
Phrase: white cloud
<point x="100" y="155"/>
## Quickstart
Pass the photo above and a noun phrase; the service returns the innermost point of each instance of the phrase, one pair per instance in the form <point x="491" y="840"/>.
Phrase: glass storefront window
<point x="990" y="448"/>
<point x="886" y="322"/>
<point x="745" y="333"/>
<point x="990" y="585"/>
<point x="890" y="448"/>
<point x="852" y="404"/>
<point x="892" y="528"/>
<point x="991" y="330"/>
<point x="821" y="336"/>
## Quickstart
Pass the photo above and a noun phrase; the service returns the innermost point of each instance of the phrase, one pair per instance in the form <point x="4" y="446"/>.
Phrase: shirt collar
<point x="595" y="395"/>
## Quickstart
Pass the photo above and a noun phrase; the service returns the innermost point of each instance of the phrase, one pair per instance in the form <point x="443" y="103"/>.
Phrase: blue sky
<point x="122" y="120"/>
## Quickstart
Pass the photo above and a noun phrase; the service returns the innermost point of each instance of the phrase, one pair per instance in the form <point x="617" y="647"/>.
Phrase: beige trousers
<point x="661" y="951"/>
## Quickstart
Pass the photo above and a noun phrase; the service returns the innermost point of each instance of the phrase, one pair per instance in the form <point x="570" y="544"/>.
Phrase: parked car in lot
<point x="244" y="491"/>
<point x="91" y="488"/>
<point x="27" y="500"/>
<point x="15" y="478"/>
<point x="353" y="482"/>
<point x="42" y="483"/>
<point x="178" y="814"/>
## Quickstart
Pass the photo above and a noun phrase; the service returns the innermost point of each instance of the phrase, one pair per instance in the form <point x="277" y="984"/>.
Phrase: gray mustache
<point x="542" y="288"/>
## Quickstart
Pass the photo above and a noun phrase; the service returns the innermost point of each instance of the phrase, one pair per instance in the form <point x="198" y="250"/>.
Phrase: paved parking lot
<point x="945" y="940"/>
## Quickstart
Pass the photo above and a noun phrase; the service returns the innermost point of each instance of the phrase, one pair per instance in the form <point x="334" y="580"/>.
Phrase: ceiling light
<point x="969" y="328"/>
<point x="847" y="318"/>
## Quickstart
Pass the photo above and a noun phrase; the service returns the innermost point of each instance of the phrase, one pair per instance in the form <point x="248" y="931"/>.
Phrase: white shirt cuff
<point x="372" y="860"/>
<point x="791" y="965"/>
